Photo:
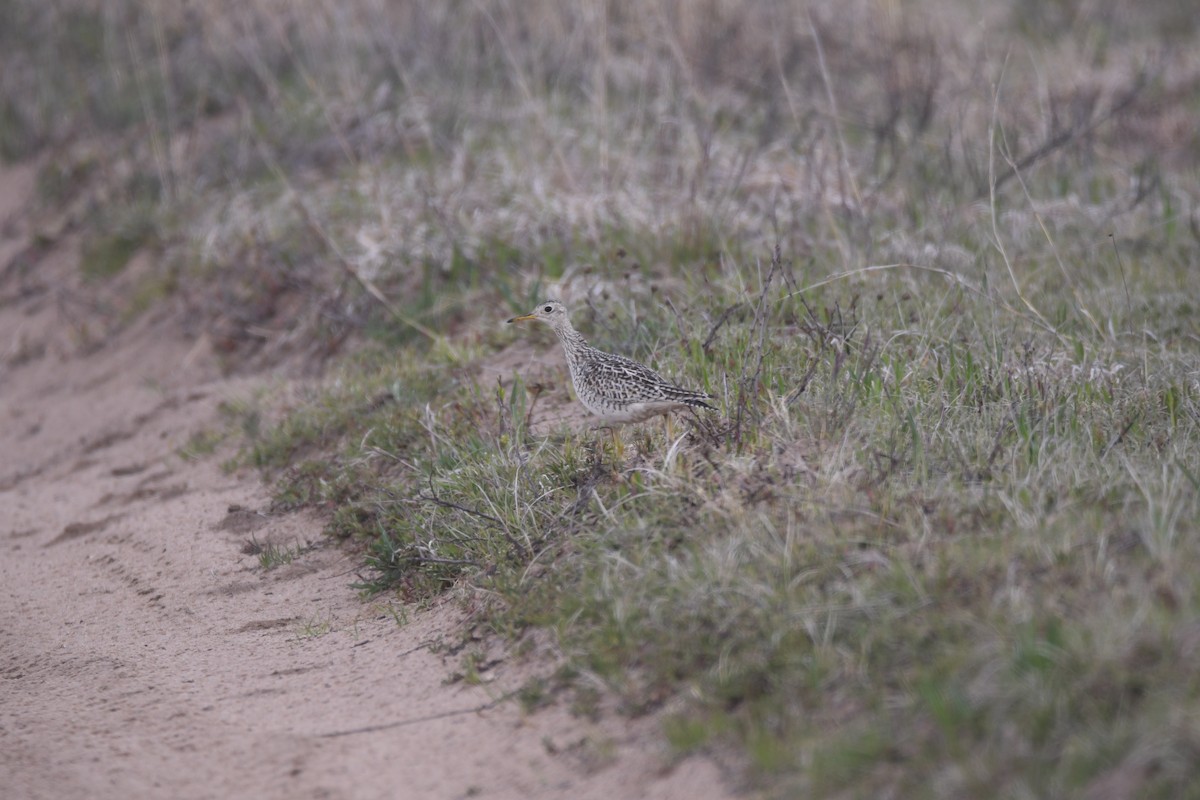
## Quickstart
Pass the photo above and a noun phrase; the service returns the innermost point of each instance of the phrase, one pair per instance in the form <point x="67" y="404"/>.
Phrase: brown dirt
<point x="144" y="653"/>
<point x="549" y="405"/>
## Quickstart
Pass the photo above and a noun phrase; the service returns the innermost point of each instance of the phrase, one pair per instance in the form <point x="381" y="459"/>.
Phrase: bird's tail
<point x="693" y="399"/>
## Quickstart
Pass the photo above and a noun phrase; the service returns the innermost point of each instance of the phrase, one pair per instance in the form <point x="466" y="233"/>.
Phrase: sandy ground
<point x="144" y="654"/>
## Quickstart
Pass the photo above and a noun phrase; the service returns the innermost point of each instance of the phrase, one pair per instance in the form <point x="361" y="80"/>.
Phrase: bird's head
<point x="550" y="311"/>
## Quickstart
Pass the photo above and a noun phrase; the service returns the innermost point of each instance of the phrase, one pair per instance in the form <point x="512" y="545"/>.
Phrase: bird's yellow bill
<point x="521" y="318"/>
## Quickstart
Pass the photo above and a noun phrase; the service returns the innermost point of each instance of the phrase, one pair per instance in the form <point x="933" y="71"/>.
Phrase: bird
<point x="617" y="389"/>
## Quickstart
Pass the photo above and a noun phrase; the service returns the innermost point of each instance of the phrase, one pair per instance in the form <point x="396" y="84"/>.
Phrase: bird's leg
<point x="618" y="448"/>
<point x="618" y="445"/>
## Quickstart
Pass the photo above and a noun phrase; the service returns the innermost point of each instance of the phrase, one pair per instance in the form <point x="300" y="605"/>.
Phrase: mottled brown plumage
<point x="613" y="387"/>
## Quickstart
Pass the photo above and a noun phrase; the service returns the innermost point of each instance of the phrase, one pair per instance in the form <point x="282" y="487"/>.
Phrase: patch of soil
<point x="550" y="404"/>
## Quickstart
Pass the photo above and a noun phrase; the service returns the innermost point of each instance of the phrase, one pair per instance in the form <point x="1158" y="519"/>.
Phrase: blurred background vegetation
<point x="436" y="147"/>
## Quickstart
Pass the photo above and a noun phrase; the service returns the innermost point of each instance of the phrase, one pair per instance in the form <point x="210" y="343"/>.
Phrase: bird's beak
<point x="521" y="318"/>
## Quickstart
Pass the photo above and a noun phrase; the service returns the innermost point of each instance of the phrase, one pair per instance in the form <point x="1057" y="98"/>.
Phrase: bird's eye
<point x="547" y="309"/>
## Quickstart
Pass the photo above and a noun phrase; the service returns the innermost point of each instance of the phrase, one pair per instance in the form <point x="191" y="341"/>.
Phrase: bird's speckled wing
<point x="622" y="380"/>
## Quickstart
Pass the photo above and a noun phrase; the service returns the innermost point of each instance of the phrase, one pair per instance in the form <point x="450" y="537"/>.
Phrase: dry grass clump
<point x="430" y="147"/>
<point x="941" y="538"/>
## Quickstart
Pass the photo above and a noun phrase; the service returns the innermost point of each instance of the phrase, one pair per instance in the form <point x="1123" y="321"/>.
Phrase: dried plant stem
<point x="996" y="240"/>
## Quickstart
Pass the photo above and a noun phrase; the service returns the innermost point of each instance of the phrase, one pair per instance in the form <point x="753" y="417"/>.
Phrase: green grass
<point x="275" y="554"/>
<point x="930" y="542"/>
<point x="314" y="628"/>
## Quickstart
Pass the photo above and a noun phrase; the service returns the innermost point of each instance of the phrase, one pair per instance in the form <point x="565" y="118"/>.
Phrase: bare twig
<point x="1121" y="267"/>
<point x="501" y="417"/>
<point x="534" y="391"/>
<point x="432" y="497"/>
<point x="418" y="720"/>
<point x="794" y="395"/>
<point x="1120" y="437"/>
<point x="455" y="562"/>
<point x="712" y="334"/>
<point x="996" y="240"/>
<point x="1068" y="136"/>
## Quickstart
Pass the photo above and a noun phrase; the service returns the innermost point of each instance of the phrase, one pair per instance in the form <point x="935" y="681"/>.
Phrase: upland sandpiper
<point x="617" y="389"/>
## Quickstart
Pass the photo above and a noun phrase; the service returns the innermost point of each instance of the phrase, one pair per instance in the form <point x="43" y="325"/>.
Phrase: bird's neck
<point x="571" y="339"/>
